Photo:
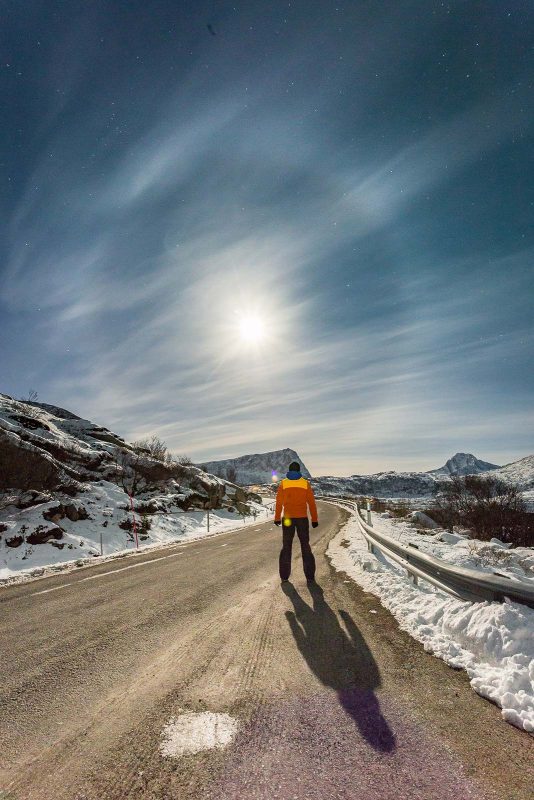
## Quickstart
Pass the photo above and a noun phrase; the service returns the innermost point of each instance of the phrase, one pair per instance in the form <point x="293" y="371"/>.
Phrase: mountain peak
<point x="463" y="464"/>
<point x="255" y="467"/>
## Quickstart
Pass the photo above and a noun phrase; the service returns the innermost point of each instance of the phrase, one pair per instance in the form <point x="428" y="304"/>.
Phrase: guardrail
<point x="460" y="582"/>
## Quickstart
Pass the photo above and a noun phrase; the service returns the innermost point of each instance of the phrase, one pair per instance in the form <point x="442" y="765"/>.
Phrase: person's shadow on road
<point x="340" y="659"/>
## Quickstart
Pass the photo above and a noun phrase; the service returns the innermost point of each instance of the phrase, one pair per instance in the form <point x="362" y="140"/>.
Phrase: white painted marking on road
<point x="103" y="574"/>
<point x="192" y="732"/>
<point x="45" y="591"/>
<point x="131" y="566"/>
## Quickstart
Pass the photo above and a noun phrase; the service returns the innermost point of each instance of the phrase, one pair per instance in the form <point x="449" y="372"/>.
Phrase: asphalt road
<point x="332" y="701"/>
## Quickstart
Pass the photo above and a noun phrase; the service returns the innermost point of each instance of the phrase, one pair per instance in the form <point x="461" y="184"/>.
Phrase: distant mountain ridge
<point x="255" y="467"/>
<point x="420" y="484"/>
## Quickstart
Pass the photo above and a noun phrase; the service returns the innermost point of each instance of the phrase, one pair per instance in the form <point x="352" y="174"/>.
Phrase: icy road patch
<point x="192" y="732"/>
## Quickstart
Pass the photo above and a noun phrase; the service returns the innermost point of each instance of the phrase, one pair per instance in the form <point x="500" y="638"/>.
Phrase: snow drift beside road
<point x="492" y="642"/>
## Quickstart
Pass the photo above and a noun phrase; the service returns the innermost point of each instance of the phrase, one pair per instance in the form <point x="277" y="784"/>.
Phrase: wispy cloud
<point x="134" y="264"/>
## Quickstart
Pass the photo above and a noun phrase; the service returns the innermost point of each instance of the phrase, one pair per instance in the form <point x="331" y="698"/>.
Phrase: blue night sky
<point x="247" y="226"/>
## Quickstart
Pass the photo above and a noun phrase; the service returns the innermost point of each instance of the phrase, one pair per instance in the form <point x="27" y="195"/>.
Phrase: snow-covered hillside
<point x="463" y="464"/>
<point x="65" y="486"/>
<point x="255" y="468"/>
<point x="520" y="472"/>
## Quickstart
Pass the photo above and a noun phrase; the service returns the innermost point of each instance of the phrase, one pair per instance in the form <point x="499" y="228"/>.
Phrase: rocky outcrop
<point x="14" y="541"/>
<point x="32" y="498"/>
<point x="72" y="511"/>
<point x="24" y="466"/>
<point x="41" y="535"/>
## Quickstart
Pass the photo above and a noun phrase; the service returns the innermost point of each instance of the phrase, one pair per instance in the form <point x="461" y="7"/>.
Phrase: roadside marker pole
<point x="101" y="543"/>
<point x="369" y="522"/>
<point x="208" y="520"/>
<point x="134" y="523"/>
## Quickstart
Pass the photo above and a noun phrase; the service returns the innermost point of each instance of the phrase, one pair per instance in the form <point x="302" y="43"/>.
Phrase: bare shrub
<point x="231" y="473"/>
<point x="26" y="405"/>
<point x="153" y="447"/>
<point x="184" y="461"/>
<point x="400" y="510"/>
<point x="488" y="507"/>
<point x="145" y="524"/>
<point x="378" y="505"/>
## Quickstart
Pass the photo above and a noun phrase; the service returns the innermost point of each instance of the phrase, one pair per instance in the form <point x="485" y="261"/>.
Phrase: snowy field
<point x="492" y="642"/>
<point x="83" y="539"/>
<point x="493" y="557"/>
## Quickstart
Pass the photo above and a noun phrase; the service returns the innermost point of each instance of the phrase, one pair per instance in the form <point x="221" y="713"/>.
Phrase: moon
<point x="252" y="329"/>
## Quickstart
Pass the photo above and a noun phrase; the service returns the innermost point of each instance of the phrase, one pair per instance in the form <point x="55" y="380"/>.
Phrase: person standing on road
<point x="295" y="496"/>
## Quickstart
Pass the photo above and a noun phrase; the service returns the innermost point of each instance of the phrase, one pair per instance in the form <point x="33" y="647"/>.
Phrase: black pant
<point x="302" y="526"/>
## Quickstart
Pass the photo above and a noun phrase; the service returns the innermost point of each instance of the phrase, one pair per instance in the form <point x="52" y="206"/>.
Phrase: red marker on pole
<point x="134" y="522"/>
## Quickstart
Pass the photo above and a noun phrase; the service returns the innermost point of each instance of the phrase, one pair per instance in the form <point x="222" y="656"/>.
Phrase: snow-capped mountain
<point x="463" y="464"/>
<point x="255" y="468"/>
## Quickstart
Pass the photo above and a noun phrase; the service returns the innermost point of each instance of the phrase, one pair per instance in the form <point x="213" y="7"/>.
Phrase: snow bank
<point x="458" y="548"/>
<point x="492" y="642"/>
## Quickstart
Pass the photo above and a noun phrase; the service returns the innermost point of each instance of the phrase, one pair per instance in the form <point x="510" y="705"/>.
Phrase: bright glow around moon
<point x="252" y="329"/>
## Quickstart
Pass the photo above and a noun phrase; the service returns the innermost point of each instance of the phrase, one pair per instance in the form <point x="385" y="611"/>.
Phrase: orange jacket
<point x="294" y="497"/>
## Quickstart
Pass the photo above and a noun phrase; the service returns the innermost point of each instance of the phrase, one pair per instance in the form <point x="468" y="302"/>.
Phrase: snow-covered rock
<point x="463" y="464"/>
<point x="497" y="543"/>
<point x="422" y="519"/>
<point x="256" y="468"/>
<point x="448" y="537"/>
